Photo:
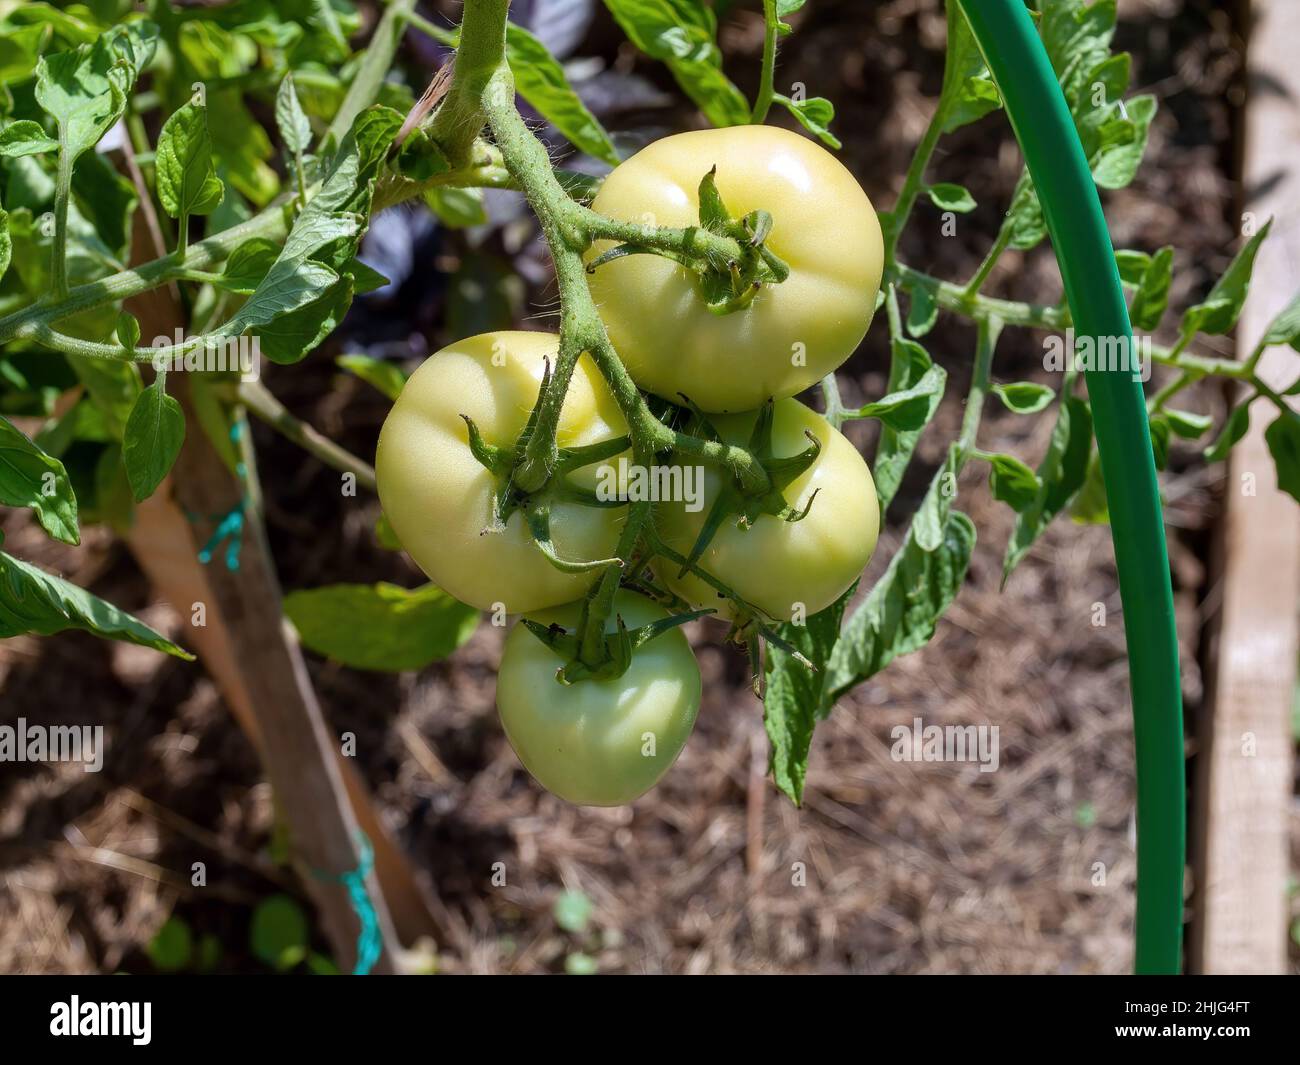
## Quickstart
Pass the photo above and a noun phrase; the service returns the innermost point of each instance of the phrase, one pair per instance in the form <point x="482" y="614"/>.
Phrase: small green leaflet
<point x="279" y="934"/>
<point x="1024" y="397"/>
<point x="33" y="601"/>
<point x="1218" y="312"/>
<point x="456" y="208"/>
<point x="1012" y="482"/>
<point x="910" y="409"/>
<point x="1061" y="474"/>
<point x="1284" y="329"/>
<point x="908" y="366"/>
<point x="794" y="697"/>
<point x="1233" y="430"/>
<point x="683" y="34"/>
<point x="25" y="138"/>
<point x="29" y="477"/>
<point x="155" y="432"/>
<point x="900" y="614"/>
<point x="85" y="89"/>
<point x="1152" y="296"/>
<point x="1186" y="424"/>
<point x="187" y="181"/>
<point x="968" y="92"/>
<point x="949" y="197"/>
<point x="290" y="119"/>
<point x="923" y="311"/>
<point x="541" y="81"/>
<point x="387" y="377"/>
<point x="815" y="114"/>
<point x="1283" y="439"/>
<point x="381" y="626"/>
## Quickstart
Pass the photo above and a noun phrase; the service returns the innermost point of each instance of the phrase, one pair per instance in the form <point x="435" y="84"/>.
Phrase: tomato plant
<point x="702" y="283"/>
<point x="787" y="335"/>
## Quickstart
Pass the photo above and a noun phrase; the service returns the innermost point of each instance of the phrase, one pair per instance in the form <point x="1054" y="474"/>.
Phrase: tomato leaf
<point x="25" y="137"/>
<point x="29" y="477"/>
<point x="1233" y="430"/>
<point x="187" y="182"/>
<point x="923" y="310"/>
<point x="968" y="92"/>
<point x="154" y="434"/>
<point x="32" y="601"/>
<point x="683" y="34"/>
<point x="909" y="364"/>
<point x="1218" y="312"/>
<point x="380" y="626"/>
<point x="290" y="119"/>
<point x="1283" y="439"/>
<point x="1186" y="424"/>
<point x="456" y="208"/>
<point x="909" y="409"/>
<point x="387" y="377"/>
<point x="1012" y="481"/>
<point x="1024" y="397"/>
<point x="1152" y="296"/>
<point x="1132" y="265"/>
<point x="1284" y="329"/>
<point x="540" y="79"/>
<point x="794" y="696"/>
<point x="1061" y="474"/>
<point x="949" y="197"/>
<point x="815" y="114"/>
<point x="900" y="614"/>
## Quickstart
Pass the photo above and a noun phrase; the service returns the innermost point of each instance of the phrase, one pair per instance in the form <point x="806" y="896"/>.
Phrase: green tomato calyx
<point x="726" y="282"/>
<point x="616" y="652"/>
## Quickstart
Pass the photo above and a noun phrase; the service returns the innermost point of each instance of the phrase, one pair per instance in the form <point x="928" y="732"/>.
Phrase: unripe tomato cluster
<point x="606" y="740"/>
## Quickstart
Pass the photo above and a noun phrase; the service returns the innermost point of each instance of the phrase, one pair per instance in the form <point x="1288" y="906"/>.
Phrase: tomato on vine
<point x="442" y="501"/>
<point x="599" y="742"/>
<point x="792" y="332"/>
<point x="786" y="568"/>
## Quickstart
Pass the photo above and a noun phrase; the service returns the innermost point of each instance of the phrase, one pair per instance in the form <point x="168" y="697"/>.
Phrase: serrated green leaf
<point x="923" y="310"/>
<point x="187" y="181"/>
<point x="1024" y="397"/>
<point x="32" y="601"/>
<point x="968" y="92"/>
<point x="910" y="409"/>
<point x="381" y="626"/>
<point x="540" y="79"/>
<point x="248" y="265"/>
<point x="290" y="119"/>
<point x="1218" y="312"/>
<point x="1284" y="329"/>
<point x="1132" y="265"/>
<point x="127" y="331"/>
<point x="815" y="114"/>
<point x="29" y="477"/>
<point x="900" y="614"/>
<point x="683" y="35"/>
<point x="154" y="434"/>
<point x="25" y="137"/>
<point x="908" y="365"/>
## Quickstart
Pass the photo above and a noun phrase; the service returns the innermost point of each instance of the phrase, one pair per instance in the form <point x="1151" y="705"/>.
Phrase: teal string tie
<point x="230" y="526"/>
<point x="369" y="941"/>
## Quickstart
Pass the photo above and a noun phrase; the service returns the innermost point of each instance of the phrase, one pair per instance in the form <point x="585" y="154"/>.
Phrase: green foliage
<point x="154" y="434"/>
<point x="381" y="626"/>
<point x="278" y="934"/>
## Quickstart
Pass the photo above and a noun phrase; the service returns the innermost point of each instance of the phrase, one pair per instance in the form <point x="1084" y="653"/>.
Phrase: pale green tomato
<point x="788" y="569"/>
<point x="599" y="742"/>
<point x="438" y="498"/>
<point x="795" y="332"/>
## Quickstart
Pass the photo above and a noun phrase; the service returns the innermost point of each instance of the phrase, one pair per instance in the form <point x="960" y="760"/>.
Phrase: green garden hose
<point x="1043" y="126"/>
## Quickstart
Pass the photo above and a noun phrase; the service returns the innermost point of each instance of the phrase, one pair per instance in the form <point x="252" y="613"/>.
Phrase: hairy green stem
<point x="258" y="399"/>
<point x="981" y="275"/>
<point x="62" y="192"/>
<point x="480" y="55"/>
<point x="763" y="102"/>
